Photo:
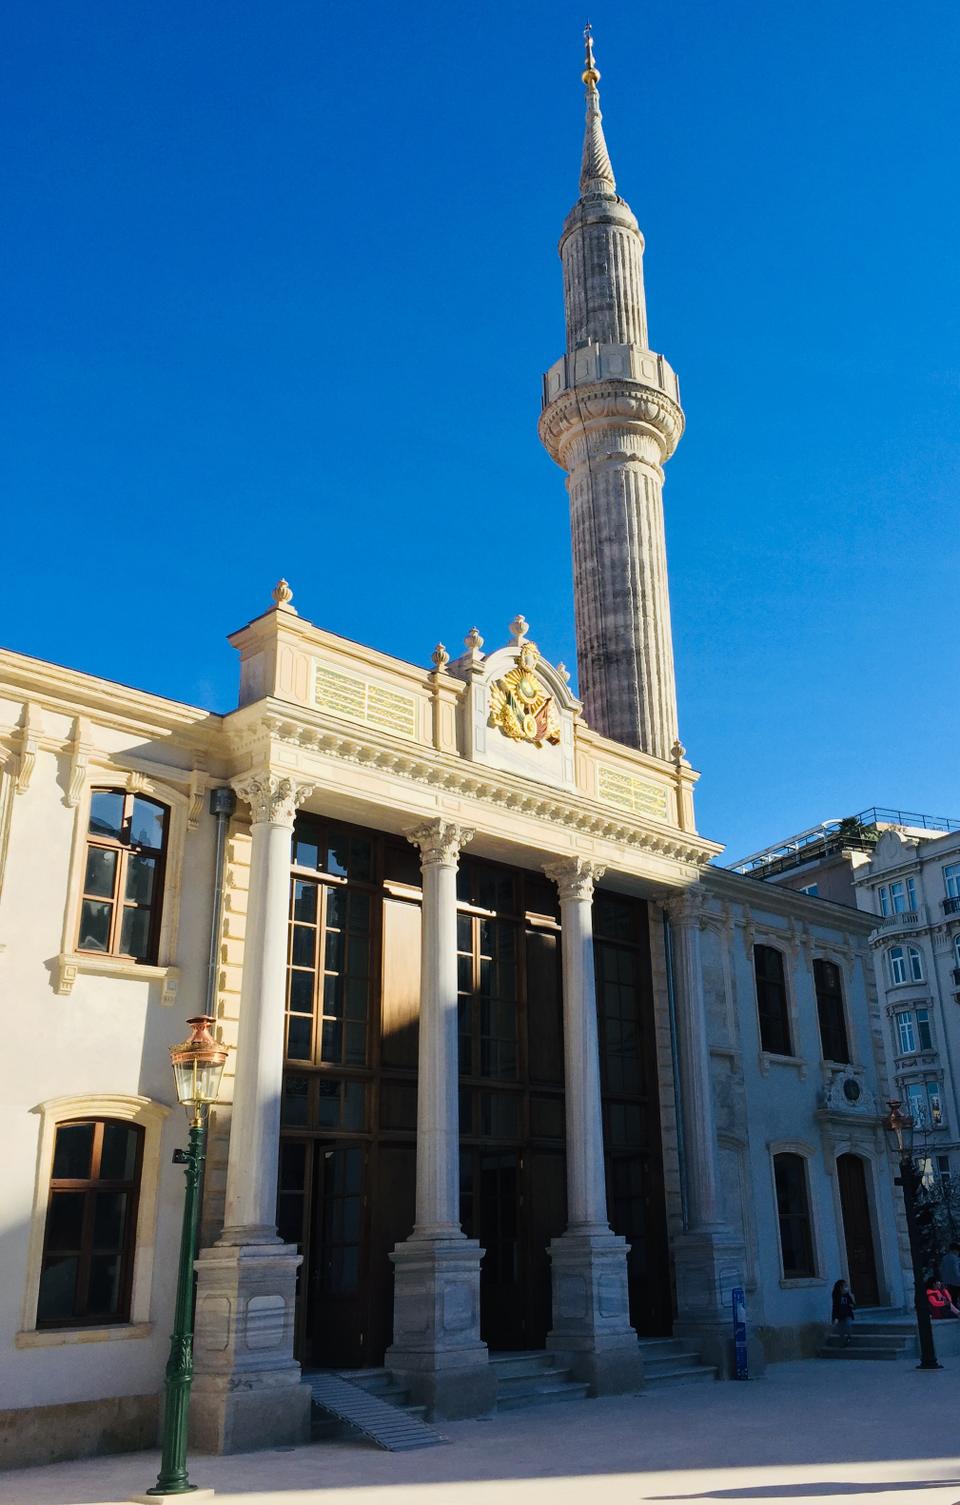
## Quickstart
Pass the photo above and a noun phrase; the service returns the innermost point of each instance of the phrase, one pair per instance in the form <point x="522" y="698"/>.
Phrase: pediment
<point x="893" y="849"/>
<point x="519" y="709"/>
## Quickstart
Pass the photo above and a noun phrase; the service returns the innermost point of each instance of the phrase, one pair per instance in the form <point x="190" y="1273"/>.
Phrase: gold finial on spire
<point x="591" y="73"/>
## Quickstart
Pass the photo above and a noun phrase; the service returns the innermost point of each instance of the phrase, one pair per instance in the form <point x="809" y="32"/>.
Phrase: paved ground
<point x="854" y="1433"/>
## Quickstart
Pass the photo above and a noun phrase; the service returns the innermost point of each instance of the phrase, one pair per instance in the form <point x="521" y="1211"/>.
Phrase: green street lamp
<point x="900" y="1129"/>
<point x="198" y="1070"/>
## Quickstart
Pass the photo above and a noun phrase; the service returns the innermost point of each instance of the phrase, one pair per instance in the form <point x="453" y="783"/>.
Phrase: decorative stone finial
<point x="563" y="672"/>
<point x="518" y="629"/>
<point x="440" y="657"/>
<point x="283" y="595"/>
<point x="473" y="640"/>
<point x="591" y="73"/>
<point x="678" y="752"/>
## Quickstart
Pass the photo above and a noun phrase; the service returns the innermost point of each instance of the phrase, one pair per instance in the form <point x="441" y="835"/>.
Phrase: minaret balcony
<point x="594" y="363"/>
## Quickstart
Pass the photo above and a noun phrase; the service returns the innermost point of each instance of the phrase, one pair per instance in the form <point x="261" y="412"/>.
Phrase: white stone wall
<point x="766" y="1104"/>
<point x="104" y="1041"/>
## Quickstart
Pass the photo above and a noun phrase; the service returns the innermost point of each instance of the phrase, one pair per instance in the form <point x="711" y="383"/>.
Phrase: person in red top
<point x="938" y="1299"/>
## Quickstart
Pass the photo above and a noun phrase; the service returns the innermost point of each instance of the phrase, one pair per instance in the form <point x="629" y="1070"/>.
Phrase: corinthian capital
<point x="575" y="877"/>
<point x="685" y="908"/>
<point x="440" y="842"/>
<point x="272" y="798"/>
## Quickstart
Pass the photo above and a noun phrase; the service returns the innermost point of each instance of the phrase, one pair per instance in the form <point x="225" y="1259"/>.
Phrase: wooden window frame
<point x="761" y="984"/>
<point x="119" y="904"/>
<point x="806" y="1215"/>
<point x="830" y="997"/>
<point x="90" y="1186"/>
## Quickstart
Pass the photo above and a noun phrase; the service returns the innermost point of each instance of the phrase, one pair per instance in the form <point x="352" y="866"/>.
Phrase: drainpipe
<point x="675" y="1063"/>
<point x="223" y="802"/>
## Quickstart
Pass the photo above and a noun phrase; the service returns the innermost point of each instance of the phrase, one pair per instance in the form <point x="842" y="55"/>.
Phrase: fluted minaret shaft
<point x="611" y="418"/>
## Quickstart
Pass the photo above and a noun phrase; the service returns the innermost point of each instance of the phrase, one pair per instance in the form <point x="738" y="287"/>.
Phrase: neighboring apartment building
<point x="904" y="870"/>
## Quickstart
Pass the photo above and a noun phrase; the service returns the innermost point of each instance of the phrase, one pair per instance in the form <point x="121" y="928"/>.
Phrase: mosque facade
<point x="514" y="1066"/>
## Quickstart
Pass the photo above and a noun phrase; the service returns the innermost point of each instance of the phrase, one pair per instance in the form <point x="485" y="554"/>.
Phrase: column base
<point x="709" y="1264"/>
<point x="437" y="1349"/>
<point x="591" y="1315"/>
<point x="247" y="1388"/>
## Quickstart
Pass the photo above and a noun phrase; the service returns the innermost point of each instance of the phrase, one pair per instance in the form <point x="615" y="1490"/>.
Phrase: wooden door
<point x="336" y="1308"/>
<point x="857" y="1230"/>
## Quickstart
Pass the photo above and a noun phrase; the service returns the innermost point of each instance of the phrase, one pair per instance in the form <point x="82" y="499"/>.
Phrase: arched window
<point x="897" y="965"/>
<point x="833" y="1025"/>
<point x="123" y="875"/>
<point x="793" y="1213"/>
<point x="774" y="1015"/>
<point x="956" y="949"/>
<point x="88" y="1244"/>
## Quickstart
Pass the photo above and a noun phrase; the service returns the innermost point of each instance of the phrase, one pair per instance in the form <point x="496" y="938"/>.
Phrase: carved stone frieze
<point x="440" y="842"/>
<point x="501" y="791"/>
<point x="575" y="877"/>
<point x="272" y="798"/>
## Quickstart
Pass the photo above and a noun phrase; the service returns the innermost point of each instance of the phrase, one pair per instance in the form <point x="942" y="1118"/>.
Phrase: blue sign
<point x="739" y="1334"/>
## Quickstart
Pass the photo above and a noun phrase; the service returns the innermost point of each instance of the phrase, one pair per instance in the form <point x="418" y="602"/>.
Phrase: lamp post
<point x="198" y="1069"/>
<point x="900" y="1127"/>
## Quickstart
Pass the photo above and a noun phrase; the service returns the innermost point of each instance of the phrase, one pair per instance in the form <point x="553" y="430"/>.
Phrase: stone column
<point x="247" y="1389"/>
<point x="709" y="1257"/>
<point x="591" y="1321"/>
<point x="437" y="1347"/>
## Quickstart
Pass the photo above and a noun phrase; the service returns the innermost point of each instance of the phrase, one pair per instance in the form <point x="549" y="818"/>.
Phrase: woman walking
<point x="844" y="1307"/>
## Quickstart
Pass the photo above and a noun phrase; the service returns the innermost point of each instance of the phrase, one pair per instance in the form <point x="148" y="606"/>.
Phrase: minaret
<point x="611" y="418"/>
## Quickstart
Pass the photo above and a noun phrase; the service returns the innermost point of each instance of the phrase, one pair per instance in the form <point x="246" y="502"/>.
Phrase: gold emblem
<point x="520" y="705"/>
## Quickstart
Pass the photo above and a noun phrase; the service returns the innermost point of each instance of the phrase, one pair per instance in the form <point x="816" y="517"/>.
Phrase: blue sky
<point x="278" y="282"/>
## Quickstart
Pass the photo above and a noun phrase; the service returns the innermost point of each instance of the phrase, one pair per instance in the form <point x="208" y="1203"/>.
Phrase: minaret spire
<point x="611" y="418"/>
<point x="596" y="173"/>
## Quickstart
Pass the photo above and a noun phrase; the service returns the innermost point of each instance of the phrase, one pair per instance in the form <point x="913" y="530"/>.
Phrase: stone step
<point x="506" y="1365"/>
<point x="856" y="1351"/>
<point x="542" y="1395"/>
<point x="655" y="1347"/>
<point x="871" y="1340"/>
<point x="688" y="1374"/>
<point x="514" y="1384"/>
<point x="671" y="1363"/>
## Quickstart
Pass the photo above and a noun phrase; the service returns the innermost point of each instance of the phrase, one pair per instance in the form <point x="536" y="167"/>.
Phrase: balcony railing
<point x="909" y="917"/>
<point x="951" y="906"/>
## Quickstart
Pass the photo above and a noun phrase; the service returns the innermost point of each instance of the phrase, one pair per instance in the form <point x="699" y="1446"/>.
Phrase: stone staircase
<point x="524" y="1379"/>
<point x="666" y="1362"/>
<point x="877" y="1333"/>
<point x="533" y="1379"/>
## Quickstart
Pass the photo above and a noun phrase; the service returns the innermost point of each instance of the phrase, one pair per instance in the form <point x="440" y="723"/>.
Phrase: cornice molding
<point x="739" y="888"/>
<point x="613" y="402"/>
<point x="437" y="771"/>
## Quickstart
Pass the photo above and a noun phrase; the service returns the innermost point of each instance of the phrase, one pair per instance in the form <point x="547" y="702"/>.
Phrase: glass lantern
<point x="198" y="1067"/>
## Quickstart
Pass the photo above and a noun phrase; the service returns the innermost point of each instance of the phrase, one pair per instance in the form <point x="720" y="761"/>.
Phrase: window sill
<point x="69" y="965"/>
<point x="768" y="1059"/>
<point x="802" y="1282"/>
<point x="56" y="1337"/>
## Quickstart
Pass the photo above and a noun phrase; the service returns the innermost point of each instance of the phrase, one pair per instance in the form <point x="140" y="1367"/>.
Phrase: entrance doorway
<point x="857" y="1230"/>
<point x="346" y="1192"/>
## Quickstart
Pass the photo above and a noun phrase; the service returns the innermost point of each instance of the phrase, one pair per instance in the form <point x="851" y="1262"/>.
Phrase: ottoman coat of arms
<point x="520" y="704"/>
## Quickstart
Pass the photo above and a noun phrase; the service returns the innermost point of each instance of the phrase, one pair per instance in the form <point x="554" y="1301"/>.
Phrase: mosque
<point x="515" y="1068"/>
